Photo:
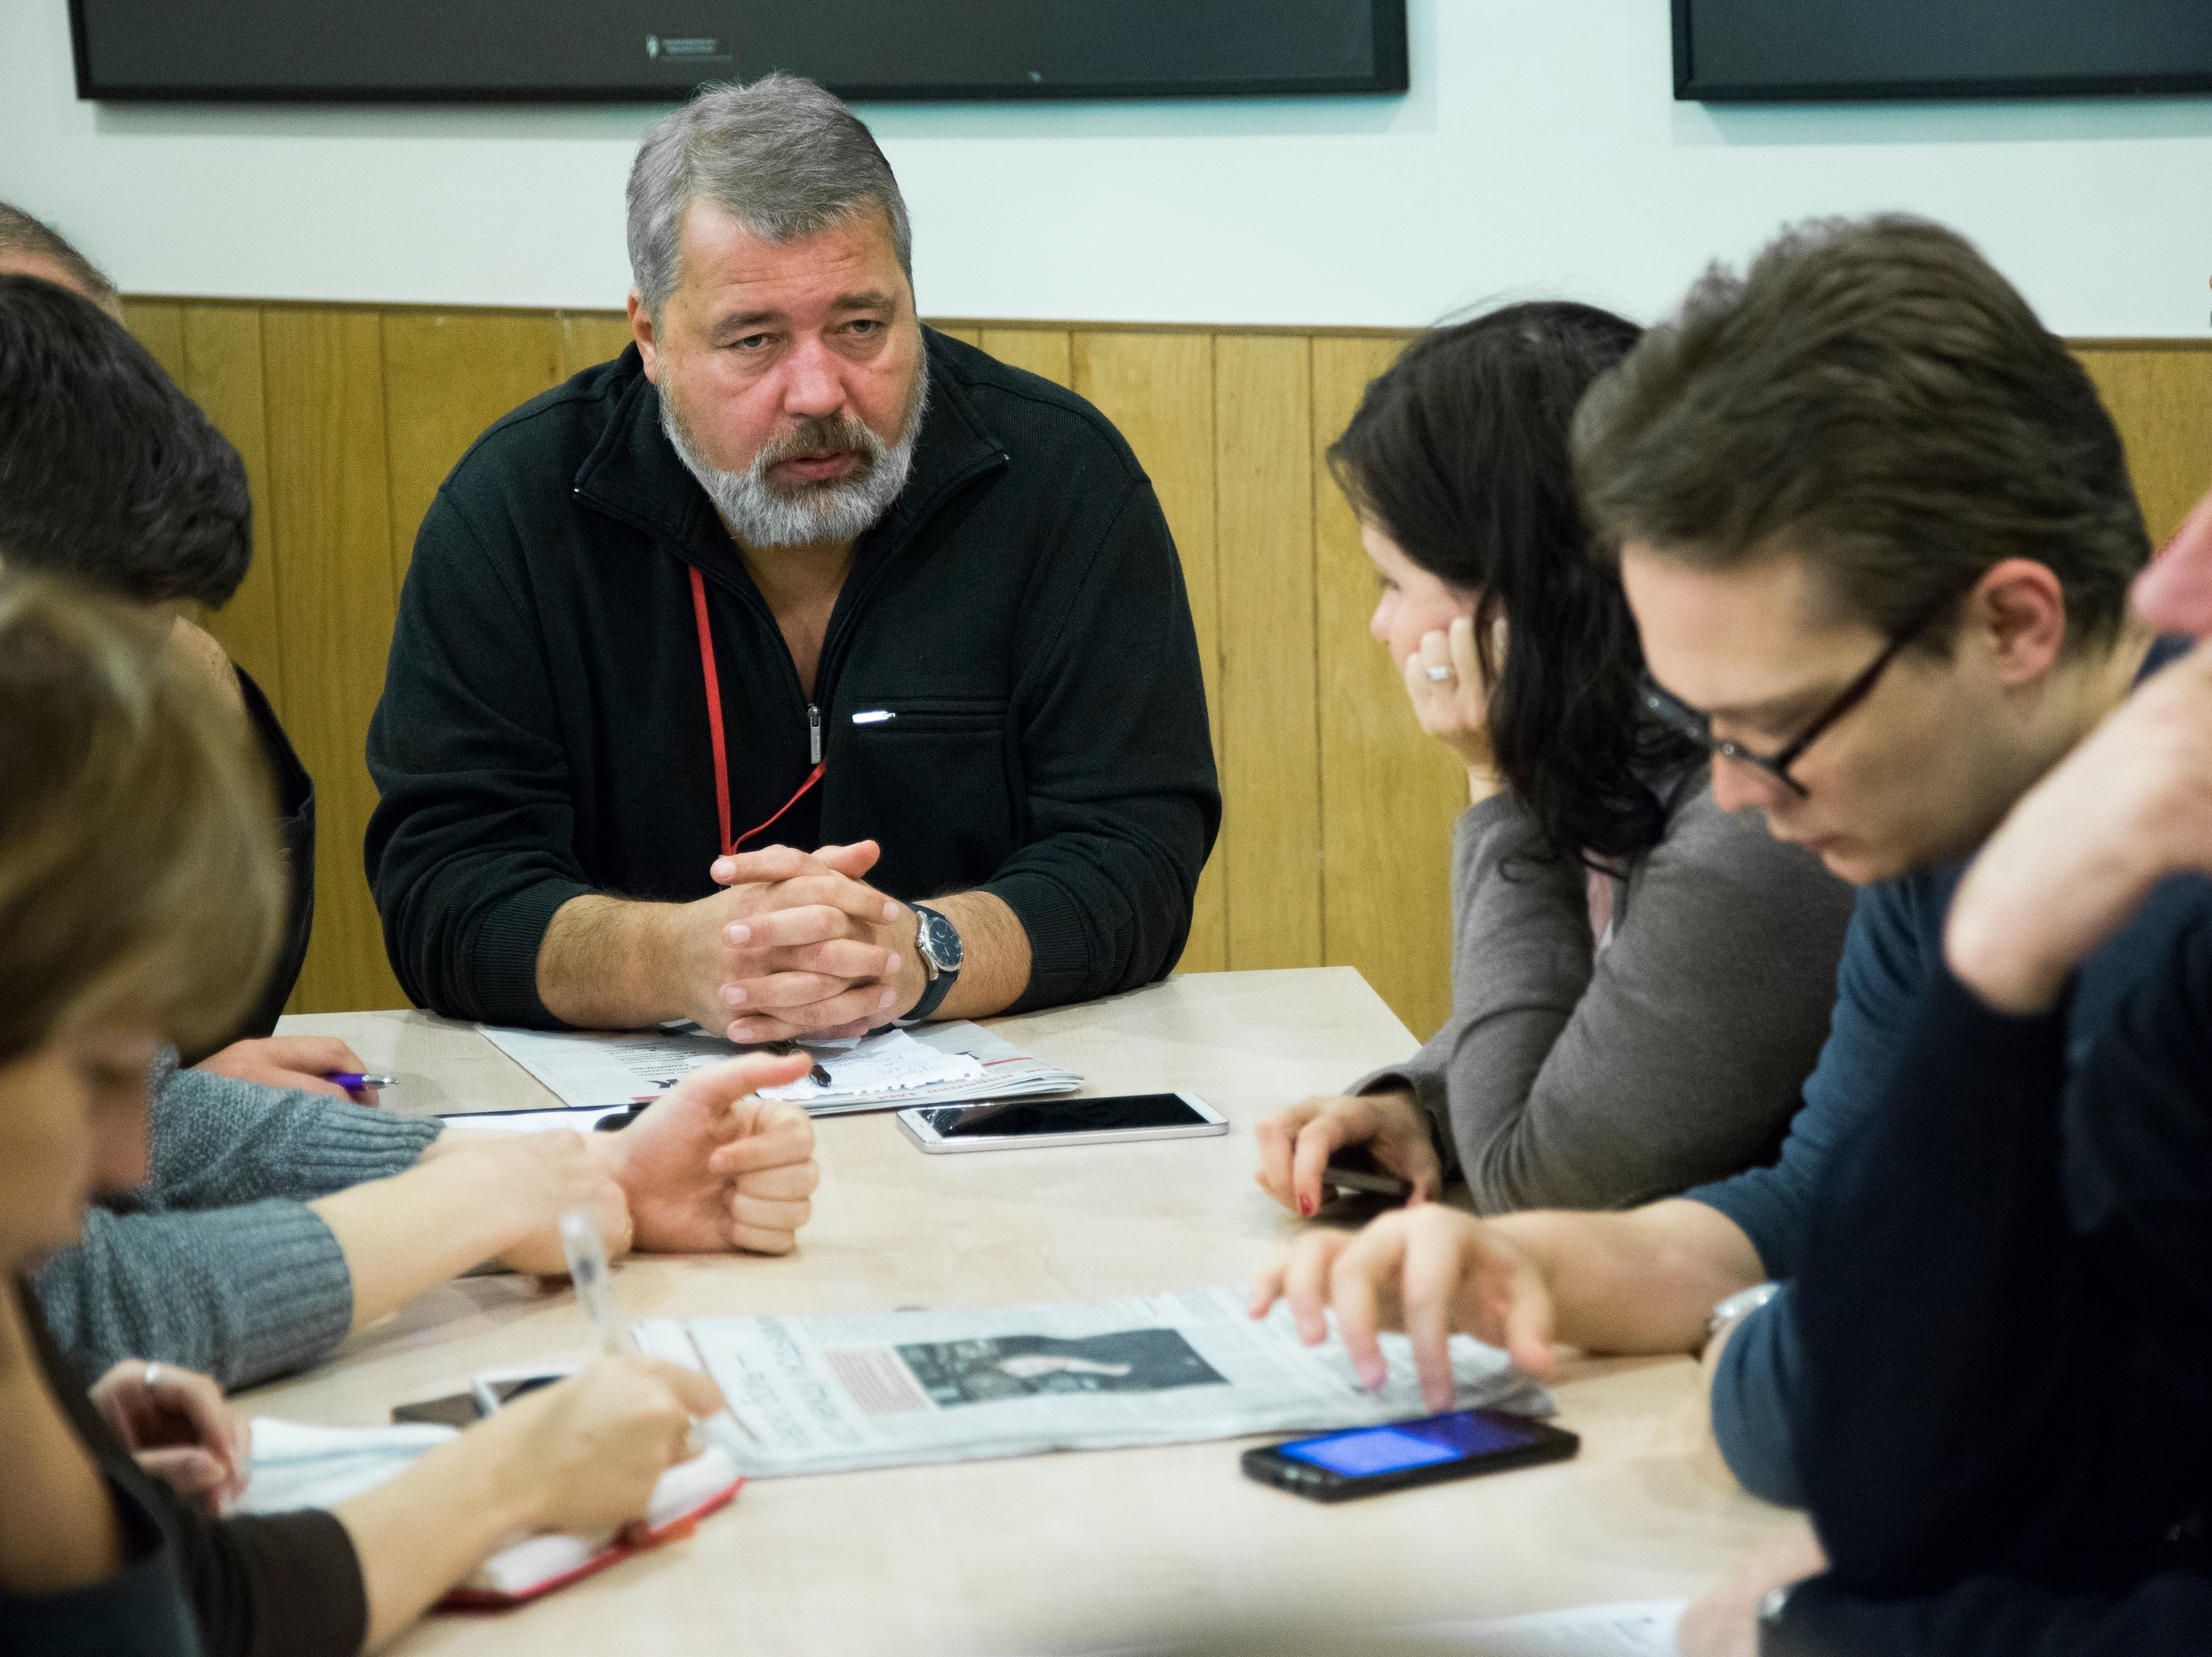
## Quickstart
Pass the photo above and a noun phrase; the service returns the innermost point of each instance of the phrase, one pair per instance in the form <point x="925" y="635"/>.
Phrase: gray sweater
<point x="1571" y="1076"/>
<point x="218" y="1263"/>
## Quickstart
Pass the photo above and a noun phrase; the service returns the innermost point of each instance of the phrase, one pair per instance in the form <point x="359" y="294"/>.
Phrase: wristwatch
<point x="938" y="945"/>
<point x="1741" y="1304"/>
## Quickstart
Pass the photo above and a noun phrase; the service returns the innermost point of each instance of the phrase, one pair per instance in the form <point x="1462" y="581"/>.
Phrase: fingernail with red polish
<point x="1306" y="1207"/>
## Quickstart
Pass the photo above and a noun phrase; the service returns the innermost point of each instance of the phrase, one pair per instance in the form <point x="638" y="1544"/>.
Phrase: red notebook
<point x="519" y="1573"/>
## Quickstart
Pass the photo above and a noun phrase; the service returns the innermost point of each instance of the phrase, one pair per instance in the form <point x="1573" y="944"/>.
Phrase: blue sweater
<point x="1892" y="953"/>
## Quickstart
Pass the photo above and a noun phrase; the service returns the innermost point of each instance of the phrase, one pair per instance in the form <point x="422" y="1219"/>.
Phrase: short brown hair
<point x="138" y="859"/>
<point x="1873" y="396"/>
<point x="21" y="233"/>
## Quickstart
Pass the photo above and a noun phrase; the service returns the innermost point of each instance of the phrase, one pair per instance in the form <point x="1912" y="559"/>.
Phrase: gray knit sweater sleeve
<point x="1675" y="1057"/>
<point x="219" y="1264"/>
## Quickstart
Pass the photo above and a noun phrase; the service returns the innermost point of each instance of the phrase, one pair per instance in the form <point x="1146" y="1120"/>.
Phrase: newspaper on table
<point x="949" y="1063"/>
<point x="827" y="1394"/>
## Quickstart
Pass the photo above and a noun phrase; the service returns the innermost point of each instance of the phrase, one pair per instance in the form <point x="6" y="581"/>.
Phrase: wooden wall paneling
<point x="968" y="336"/>
<point x="331" y="538"/>
<point x="223" y="374"/>
<point x="446" y="377"/>
<point x="1045" y="352"/>
<point x="159" y="325"/>
<point x="588" y="337"/>
<point x="1159" y="390"/>
<point x="2161" y="398"/>
<point x="1270" y="741"/>
<point x="1390" y="796"/>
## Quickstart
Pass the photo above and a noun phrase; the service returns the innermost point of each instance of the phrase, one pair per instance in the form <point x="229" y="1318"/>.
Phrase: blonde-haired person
<point x="139" y="901"/>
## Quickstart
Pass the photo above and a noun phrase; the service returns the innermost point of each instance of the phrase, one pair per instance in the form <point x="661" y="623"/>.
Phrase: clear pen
<point x="589" y="1272"/>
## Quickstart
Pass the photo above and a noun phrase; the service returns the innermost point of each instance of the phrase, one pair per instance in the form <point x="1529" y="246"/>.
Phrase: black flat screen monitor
<point x="1804" y="50"/>
<point x="647" y="51"/>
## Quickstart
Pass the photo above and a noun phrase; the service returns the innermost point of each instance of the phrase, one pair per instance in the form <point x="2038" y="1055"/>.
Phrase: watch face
<point x="937" y="940"/>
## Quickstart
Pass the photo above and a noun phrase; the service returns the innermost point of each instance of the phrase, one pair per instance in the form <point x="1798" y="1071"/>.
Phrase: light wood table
<point x="1064" y="1552"/>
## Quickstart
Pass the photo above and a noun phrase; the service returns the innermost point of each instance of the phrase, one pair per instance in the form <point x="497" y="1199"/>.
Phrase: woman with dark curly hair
<point x="1640" y="981"/>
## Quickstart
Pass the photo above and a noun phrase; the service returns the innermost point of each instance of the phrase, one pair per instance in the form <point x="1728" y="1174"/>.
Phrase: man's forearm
<point x="995" y="956"/>
<point x="612" y="963"/>
<point x="1645" y="1280"/>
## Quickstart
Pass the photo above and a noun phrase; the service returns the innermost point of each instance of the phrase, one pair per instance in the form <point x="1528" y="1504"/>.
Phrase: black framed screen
<point x="1790" y="51"/>
<point x="631" y="50"/>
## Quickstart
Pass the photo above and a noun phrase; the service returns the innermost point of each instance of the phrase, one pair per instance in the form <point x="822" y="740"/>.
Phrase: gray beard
<point x="759" y="512"/>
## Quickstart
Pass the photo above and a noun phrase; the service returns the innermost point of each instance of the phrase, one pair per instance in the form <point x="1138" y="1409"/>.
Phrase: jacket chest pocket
<point x="937" y="782"/>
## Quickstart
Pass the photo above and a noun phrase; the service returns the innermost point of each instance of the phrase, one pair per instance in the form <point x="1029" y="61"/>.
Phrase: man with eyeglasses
<point x="1877" y="531"/>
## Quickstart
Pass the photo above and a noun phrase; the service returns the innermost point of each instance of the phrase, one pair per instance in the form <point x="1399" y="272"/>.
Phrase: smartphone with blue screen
<point x="1368" y="1460"/>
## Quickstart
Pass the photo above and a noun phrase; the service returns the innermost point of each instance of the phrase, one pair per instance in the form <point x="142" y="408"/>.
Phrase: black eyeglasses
<point x="1680" y="717"/>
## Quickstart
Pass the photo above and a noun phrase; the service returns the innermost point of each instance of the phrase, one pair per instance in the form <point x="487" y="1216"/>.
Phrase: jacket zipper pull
<point x="813" y="734"/>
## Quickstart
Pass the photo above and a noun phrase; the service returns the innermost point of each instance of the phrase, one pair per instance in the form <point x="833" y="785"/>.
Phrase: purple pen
<point x="354" y="1080"/>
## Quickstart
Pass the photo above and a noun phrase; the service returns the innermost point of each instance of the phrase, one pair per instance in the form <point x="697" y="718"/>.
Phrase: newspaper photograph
<point x="829" y="1394"/>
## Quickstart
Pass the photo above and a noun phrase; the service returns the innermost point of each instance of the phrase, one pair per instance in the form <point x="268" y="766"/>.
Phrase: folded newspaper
<point x="946" y="1063"/>
<point x="819" y="1395"/>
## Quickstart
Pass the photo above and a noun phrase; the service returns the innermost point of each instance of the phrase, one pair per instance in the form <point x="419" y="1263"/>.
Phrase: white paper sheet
<point x="890" y="1063"/>
<point x="944" y="1064"/>
<point x="1638" y="1629"/>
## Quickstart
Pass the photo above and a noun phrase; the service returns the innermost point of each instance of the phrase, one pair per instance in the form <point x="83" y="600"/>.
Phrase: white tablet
<point x="1014" y="1123"/>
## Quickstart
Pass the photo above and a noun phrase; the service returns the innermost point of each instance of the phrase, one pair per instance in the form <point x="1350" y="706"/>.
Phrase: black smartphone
<point x="1368" y="1460"/>
<point x="456" y="1409"/>
<point x="1354" y="1168"/>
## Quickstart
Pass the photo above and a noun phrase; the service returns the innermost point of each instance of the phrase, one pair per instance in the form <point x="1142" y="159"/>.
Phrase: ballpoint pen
<point x="354" y="1080"/>
<point x="787" y="1048"/>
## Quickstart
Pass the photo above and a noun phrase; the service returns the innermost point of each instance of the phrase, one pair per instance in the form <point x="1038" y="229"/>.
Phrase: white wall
<point x="1540" y="151"/>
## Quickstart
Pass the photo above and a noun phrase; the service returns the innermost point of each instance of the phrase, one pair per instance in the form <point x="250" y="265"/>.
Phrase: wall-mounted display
<point x="1807" y="50"/>
<point x="649" y="51"/>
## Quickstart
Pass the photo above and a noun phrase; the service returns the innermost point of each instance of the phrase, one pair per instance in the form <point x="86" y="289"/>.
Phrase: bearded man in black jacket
<point x="713" y="661"/>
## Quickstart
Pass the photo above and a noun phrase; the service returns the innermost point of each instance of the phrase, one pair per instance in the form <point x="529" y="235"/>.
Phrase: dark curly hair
<point x="1459" y="455"/>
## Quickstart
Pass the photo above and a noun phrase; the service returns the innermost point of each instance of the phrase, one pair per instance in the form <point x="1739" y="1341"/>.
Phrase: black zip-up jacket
<point x="1019" y="611"/>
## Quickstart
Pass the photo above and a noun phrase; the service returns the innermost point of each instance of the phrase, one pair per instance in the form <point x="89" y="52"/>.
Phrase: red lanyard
<point x="721" y="744"/>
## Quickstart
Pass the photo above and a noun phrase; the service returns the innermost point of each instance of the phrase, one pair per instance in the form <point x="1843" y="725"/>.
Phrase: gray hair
<point x="782" y="156"/>
<point x="22" y="234"/>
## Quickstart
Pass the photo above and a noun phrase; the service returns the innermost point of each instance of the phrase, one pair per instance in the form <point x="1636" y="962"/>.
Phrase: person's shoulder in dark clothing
<point x="285" y="1584"/>
<point x="295" y="829"/>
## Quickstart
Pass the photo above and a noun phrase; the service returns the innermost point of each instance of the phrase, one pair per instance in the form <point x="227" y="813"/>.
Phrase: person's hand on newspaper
<point x="809" y="948"/>
<point x="711" y="1165"/>
<point x="1296" y="1143"/>
<point x="175" y="1422"/>
<point x="1431" y="1271"/>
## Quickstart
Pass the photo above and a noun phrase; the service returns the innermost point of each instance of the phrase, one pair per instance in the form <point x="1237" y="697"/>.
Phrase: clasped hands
<point x="802" y="946"/>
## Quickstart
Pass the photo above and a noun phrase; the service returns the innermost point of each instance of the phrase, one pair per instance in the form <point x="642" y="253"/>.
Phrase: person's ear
<point x="2018" y="609"/>
<point x="642" y="331"/>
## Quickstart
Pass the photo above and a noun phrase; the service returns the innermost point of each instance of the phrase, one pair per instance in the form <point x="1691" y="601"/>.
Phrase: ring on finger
<point x="1438" y="674"/>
